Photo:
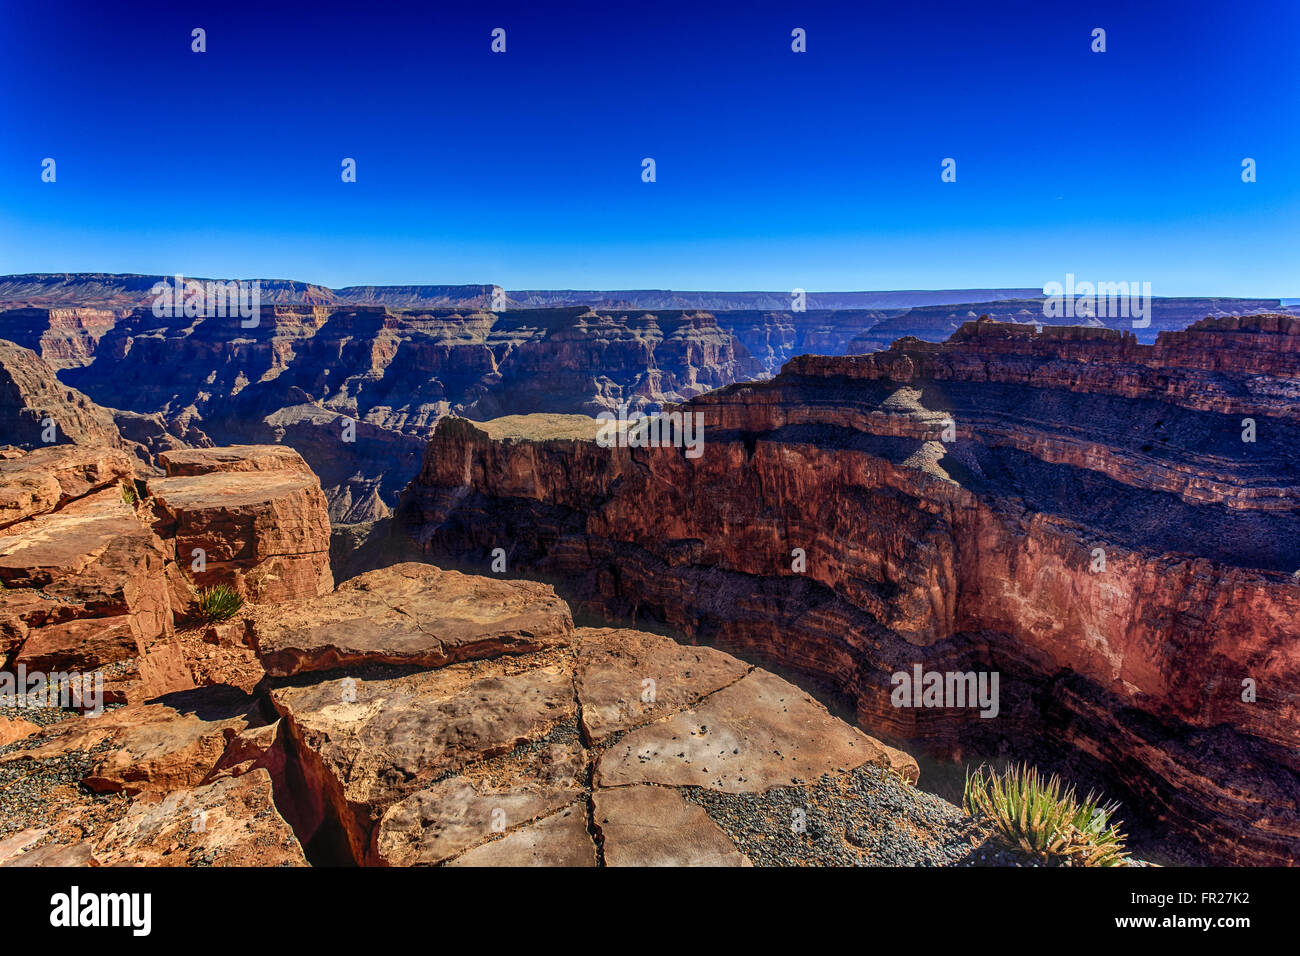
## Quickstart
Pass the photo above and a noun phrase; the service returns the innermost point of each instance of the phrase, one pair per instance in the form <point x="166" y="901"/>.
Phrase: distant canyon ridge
<point x="357" y="378"/>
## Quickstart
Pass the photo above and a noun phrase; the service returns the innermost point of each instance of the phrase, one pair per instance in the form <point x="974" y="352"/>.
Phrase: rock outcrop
<point x="1110" y="527"/>
<point x="97" y="577"/>
<point x="412" y="716"/>
<point x="249" y="517"/>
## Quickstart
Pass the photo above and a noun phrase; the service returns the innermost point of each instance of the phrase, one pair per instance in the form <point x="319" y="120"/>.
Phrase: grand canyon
<point x="470" y="629"/>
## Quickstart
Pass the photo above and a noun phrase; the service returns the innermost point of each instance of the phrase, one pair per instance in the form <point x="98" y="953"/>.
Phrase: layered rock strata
<point x="1112" y="528"/>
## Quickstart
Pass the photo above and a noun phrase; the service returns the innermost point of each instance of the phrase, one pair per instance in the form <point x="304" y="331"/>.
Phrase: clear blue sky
<point x="775" y="170"/>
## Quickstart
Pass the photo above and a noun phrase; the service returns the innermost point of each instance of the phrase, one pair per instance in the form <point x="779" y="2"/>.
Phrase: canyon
<point x="356" y="378"/>
<point x="1107" y="519"/>
<point x="410" y="716"/>
<point x="1113" y="527"/>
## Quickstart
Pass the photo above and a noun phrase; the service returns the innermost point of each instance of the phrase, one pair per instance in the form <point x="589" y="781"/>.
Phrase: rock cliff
<point x="1112" y="528"/>
<point x="411" y="716"/>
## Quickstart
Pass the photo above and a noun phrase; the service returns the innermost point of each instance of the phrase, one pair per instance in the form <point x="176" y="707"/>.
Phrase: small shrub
<point x="219" y="603"/>
<point x="1044" y="818"/>
<point x="128" y="494"/>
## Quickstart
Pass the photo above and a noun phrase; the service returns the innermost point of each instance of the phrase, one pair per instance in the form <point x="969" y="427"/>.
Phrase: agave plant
<point x="219" y="603"/>
<point x="1045" y="819"/>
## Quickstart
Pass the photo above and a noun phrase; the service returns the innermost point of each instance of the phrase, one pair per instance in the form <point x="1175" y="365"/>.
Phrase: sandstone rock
<point x="366" y="744"/>
<point x="231" y="459"/>
<point x="437" y="823"/>
<point x="614" y="665"/>
<point x="15" y="728"/>
<point x="558" y="840"/>
<point x="15" y="844"/>
<point x="760" y="732"/>
<point x="33" y="400"/>
<point x="257" y="748"/>
<point x="260" y="523"/>
<point x="95" y="580"/>
<point x="411" y="614"/>
<point x="654" y="826"/>
<point x="53" y="854"/>
<point x="82" y="645"/>
<point x="155" y="747"/>
<point x="232" y="822"/>
<point x="48" y="478"/>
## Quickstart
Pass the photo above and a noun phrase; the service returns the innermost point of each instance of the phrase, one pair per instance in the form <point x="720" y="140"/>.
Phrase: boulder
<point x="232" y="822"/>
<point x="262" y="530"/>
<point x="47" y="478"/>
<point x="365" y="744"/>
<point x="413" y="614"/>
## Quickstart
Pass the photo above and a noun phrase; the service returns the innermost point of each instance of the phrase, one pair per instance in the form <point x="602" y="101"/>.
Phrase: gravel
<point x="865" y="817"/>
<point x="47" y="793"/>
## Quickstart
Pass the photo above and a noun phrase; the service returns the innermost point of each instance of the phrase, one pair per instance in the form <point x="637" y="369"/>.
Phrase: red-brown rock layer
<point x="1097" y="532"/>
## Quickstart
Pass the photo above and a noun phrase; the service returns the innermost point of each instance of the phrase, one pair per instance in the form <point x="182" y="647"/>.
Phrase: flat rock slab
<point x="15" y="728"/>
<point x="84" y="586"/>
<point x="232" y="822"/>
<point x="364" y="744"/>
<point x="558" y="840"/>
<point x="654" y="826"/>
<point x="414" y="614"/>
<point x="463" y="811"/>
<point x="46" y="478"/>
<point x="138" y="748"/>
<point x="760" y="732"/>
<point x="182" y="462"/>
<point x="627" y="678"/>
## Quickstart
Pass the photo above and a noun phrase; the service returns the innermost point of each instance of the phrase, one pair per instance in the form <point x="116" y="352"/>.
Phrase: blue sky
<point x="775" y="170"/>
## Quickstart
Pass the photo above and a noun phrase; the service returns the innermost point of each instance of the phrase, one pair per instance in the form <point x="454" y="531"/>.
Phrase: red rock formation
<point x="977" y="554"/>
<point x="482" y="728"/>
<point x="255" y="515"/>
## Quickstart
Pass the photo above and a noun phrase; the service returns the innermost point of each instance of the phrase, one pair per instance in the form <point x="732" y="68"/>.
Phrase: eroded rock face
<point x="142" y="748"/>
<point x="232" y="822"/>
<point x="37" y="409"/>
<point x="1095" y="531"/>
<point x="84" y="585"/>
<point x="425" y="717"/>
<point x="42" y="480"/>
<point x="411" y="614"/>
<point x="255" y="514"/>
<point x="400" y="734"/>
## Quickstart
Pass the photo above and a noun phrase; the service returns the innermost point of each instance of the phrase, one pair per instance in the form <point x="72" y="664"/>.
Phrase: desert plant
<point x="1044" y="818"/>
<point x="129" y="495"/>
<point x="218" y="603"/>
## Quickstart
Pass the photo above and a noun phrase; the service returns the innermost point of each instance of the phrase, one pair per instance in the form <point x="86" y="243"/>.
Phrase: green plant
<point x="219" y="603"/>
<point x="129" y="495"/>
<point x="1044" y="818"/>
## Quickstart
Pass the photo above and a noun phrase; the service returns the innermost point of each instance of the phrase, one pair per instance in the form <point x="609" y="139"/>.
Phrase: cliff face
<point x="1097" y="532"/>
<point x="357" y="390"/>
<point x="356" y="378"/>
<point x="411" y="716"/>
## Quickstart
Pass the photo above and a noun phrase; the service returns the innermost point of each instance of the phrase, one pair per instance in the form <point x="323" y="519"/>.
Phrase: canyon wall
<point x="1074" y="510"/>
